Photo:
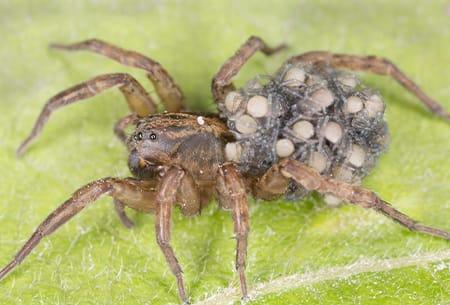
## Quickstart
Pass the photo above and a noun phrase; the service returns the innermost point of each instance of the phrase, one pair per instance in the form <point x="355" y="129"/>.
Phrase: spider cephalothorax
<point x="309" y="127"/>
<point x="194" y="142"/>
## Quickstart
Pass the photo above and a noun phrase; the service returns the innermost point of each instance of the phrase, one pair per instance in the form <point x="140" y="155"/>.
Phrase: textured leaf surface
<point x="95" y="260"/>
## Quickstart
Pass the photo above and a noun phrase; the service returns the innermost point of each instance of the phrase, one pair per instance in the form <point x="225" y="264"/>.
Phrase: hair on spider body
<point x="310" y="127"/>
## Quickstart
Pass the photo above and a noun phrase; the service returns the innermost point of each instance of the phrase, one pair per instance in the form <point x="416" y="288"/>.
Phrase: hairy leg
<point x="167" y="191"/>
<point x="138" y="100"/>
<point x="374" y="64"/>
<point x="313" y="181"/>
<point x="119" y="206"/>
<point x="122" y="124"/>
<point x="232" y="190"/>
<point x="130" y="191"/>
<point x="166" y="88"/>
<point x="222" y="81"/>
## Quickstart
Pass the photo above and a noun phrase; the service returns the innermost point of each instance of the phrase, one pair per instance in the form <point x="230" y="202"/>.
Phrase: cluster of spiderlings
<point x="320" y="116"/>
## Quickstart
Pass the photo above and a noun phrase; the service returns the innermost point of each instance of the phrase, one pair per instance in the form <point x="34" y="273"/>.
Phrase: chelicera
<point x="309" y="127"/>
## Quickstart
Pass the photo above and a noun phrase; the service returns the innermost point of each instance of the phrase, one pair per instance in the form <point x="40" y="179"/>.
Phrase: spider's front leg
<point x="166" y="88"/>
<point x="232" y="195"/>
<point x="167" y="192"/>
<point x="137" y="194"/>
<point x="119" y="206"/>
<point x="313" y="181"/>
<point x="137" y="98"/>
<point x="122" y="124"/>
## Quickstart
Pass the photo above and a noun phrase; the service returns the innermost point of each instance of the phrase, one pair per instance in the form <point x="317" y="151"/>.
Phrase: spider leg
<point x="188" y="196"/>
<point x="167" y="191"/>
<point x="134" y="193"/>
<point x="166" y="88"/>
<point x="119" y="206"/>
<point x="233" y="195"/>
<point x="122" y="124"/>
<point x="313" y="181"/>
<point x="374" y="64"/>
<point x="222" y="81"/>
<point x="271" y="185"/>
<point x="138" y="100"/>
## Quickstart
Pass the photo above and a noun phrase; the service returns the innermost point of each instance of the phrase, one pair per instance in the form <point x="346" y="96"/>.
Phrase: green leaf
<point x="95" y="260"/>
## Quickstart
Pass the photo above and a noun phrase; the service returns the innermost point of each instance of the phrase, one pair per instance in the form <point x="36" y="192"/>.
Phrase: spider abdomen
<point x="317" y="115"/>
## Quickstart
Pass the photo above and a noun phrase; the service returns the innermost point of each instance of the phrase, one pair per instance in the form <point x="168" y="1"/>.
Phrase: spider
<point x="309" y="127"/>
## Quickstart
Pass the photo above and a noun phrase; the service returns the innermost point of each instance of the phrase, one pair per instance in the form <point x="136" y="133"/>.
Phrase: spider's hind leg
<point x="376" y="65"/>
<point x="313" y="181"/>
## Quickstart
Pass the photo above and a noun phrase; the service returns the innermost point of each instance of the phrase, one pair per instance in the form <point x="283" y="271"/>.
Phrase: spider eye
<point x="153" y="137"/>
<point x="138" y="136"/>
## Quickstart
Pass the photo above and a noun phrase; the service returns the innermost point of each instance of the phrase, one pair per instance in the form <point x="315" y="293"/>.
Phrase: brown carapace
<point x="309" y="127"/>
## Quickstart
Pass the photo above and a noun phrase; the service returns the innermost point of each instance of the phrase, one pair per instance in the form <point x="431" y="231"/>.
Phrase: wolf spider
<point x="179" y="157"/>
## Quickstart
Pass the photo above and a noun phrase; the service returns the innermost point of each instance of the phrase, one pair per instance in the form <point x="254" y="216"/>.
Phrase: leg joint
<point x="162" y="241"/>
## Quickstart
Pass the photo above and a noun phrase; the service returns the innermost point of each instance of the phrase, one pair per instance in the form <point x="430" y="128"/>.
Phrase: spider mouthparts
<point x="143" y="162"/>
<point x="141" y="167"/>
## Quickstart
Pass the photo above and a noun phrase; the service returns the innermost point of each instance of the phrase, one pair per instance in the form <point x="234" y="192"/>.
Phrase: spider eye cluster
<point x="139" y="136"/>
<point x="322" y="117"/>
